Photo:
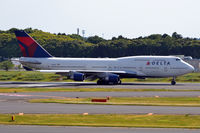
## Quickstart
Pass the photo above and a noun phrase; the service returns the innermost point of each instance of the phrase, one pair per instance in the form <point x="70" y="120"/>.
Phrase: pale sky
<point x="107" y="18"/>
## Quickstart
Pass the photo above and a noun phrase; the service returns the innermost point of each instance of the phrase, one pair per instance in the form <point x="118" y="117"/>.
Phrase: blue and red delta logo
<point x="161" y="63"/>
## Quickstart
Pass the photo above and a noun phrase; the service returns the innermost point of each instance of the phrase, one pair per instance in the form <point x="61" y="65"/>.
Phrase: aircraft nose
<point x="190" y="68"/>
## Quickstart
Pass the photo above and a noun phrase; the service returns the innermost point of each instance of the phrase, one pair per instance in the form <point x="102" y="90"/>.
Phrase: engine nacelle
<point x="113" y="78"/>
<point x="77" y="76"/>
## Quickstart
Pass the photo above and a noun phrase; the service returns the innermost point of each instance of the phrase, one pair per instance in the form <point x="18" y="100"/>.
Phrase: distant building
<point x="16" y="63"/>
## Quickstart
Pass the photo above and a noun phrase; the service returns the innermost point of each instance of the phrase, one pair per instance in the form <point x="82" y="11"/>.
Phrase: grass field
<point x="38" y="76"/>
<point x="147" y="101"/>
<point x="20" y="89"/>
<point x="105" y="120"/>
<point x="28" y="76"/>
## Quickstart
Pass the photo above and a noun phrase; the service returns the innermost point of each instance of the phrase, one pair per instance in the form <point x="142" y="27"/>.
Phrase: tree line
<point x="72" y="45"/>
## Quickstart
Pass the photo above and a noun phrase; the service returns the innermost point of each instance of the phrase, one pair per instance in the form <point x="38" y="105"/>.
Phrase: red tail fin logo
<point x="29" y="47"/>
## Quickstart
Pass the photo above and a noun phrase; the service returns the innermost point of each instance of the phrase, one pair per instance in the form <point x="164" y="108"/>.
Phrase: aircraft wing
<point x="98" y="73"/>
<point x="84" y="71"/>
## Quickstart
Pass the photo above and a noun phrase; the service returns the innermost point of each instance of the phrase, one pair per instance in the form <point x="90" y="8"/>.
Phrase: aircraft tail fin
<point x="29" y="47"/>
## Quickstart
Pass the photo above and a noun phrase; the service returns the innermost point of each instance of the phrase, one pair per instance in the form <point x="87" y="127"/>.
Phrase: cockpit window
<point x="178" y="59"/>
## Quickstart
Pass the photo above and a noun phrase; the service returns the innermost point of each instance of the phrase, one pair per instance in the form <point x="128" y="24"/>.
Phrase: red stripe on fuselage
<point x="30" y="43"/>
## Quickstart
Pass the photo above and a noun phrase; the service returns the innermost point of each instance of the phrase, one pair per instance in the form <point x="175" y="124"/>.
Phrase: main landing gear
<point x="104" y="82"/>
<point x="173" y="82"/>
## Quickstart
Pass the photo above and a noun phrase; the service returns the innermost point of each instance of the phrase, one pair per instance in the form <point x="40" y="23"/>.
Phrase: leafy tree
<point x="61" y="34"/>
<point x="165" y="35"/>
<point x="11" y="30"/>
<point x="114" y="38"/>
<point x="76" y="46"/>
<point x="6" y="65"/>
<point x="121" y="37"/>
<point x="75" y="36"/>
<point x="176" y="36"/>
<point x="154" y="36"/>
<point x="95" y="39"/>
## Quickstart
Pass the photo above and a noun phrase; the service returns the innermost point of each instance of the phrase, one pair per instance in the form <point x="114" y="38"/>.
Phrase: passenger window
<point x="178" y="59"/>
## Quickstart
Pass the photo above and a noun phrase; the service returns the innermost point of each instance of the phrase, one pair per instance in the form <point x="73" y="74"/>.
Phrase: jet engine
<point x="109" y="79"/>
<point x="112" y="78"/>
<point x="77" y="76"/>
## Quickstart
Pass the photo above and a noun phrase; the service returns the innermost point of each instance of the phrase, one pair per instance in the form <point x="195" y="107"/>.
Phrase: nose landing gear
<point x="173" y="82"/>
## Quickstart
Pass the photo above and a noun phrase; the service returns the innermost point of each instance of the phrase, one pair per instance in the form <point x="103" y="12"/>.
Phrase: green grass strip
<point x="147" y="101"/>
<point x="105" y="120"/>
<point x="15" y="90"/>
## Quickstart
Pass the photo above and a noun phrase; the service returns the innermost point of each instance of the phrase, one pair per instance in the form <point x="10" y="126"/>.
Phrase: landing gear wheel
<point x="114" y="83"/>
<point x="102" y="82"/>
<point x="119" y="82"/>
<point x="173" y="82"/>
<point x="99" y="82"/>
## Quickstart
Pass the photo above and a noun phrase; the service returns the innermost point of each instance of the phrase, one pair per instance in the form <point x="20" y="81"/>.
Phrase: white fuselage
<point x="147" y="66"/>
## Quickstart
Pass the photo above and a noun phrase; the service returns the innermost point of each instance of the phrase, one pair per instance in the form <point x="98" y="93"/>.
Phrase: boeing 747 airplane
<point x="106" y="70"/>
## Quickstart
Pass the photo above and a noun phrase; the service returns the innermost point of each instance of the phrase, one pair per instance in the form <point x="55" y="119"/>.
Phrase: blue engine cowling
<point x="113" y="78"/>
<point x="78" y="77"/>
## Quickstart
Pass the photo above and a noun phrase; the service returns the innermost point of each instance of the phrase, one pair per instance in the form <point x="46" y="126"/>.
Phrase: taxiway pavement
<point x="17" y="106"/>
<point x="17" y="102"/>
<point x="59" y="95"/>
<point x="74" y="129"/>
<point x="192" y="86"/>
